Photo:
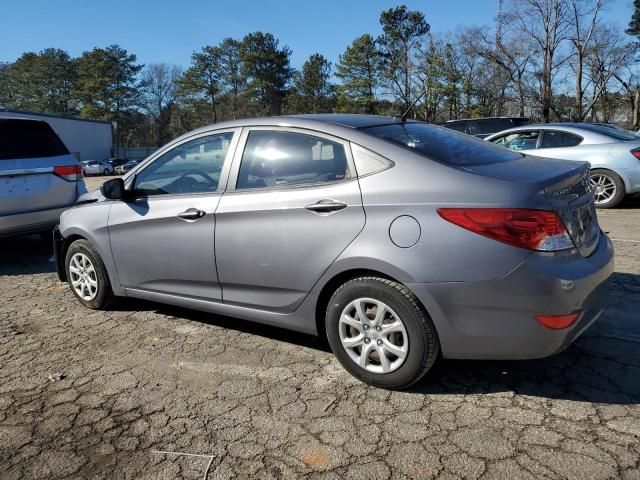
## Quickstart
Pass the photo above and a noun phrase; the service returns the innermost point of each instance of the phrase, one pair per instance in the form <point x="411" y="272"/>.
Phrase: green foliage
<point x="267" y="71"/>
<point x="107" y="82"/>
<point x="403" y="31"/>
<point x="41" y="82"/>
<point x="312" y="91"/>
<point x="634" y="24"/>
<point x="358" y="69"/>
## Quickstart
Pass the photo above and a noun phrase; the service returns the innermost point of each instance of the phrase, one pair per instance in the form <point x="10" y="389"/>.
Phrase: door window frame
<point x="545" y="130"/>
<point x="131" y="175"/>
<point x="242" y="143"/>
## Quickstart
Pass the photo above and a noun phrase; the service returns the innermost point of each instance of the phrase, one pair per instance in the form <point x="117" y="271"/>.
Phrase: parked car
<point x="116" y="162"/>
<point x="125" y="167"/>
<point x="398" y="240"/>
<point x="483" y="127"/>
<point x="39" y="178"/>
<point x="97" y="167"/>
<point x="614" y="153"/>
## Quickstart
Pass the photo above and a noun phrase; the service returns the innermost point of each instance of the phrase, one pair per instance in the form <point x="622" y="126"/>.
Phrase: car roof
<point x="592" y="134"/>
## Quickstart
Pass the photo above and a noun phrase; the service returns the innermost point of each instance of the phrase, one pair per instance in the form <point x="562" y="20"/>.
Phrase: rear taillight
<point x="636" y="153"/>
<point x="558" y="322"/>
<point x="541" y="230"/>
<point x="71" y="173"/>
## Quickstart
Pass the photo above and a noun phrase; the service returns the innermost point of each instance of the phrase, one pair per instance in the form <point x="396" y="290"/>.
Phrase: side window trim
<point x="232" y="179"/>
<point x="224" y="174"/>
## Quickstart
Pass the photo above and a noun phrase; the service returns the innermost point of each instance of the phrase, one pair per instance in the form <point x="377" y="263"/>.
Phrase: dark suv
<point x="483" y="127"/>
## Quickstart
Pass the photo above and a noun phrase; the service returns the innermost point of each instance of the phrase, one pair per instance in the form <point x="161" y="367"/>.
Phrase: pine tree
<point x="358" y="69"/>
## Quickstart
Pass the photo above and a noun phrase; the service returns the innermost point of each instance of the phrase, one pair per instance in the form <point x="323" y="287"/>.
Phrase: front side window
<point x="518" y="140"/>
<point x="191" y="167"/>
<point x="273" y="159"/>
<point x="556" y="139"/>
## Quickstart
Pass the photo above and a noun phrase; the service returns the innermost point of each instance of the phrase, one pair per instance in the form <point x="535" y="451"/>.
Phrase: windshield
<point x="443" y="144"/>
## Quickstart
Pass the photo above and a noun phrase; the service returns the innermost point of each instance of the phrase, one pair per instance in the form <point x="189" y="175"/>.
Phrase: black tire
<point x="620" y="189"/>
<point x="104" y="295"/>
<point x="423" y="342"/>
<point x="105" y="172"/>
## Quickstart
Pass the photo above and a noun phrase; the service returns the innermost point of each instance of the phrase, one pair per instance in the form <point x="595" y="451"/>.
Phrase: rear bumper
<point x="495" y="319"/>
<point x="30" y="222"/>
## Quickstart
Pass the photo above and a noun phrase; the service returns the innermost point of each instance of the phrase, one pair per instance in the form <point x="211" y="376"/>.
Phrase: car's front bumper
<point x="495" y="319"/>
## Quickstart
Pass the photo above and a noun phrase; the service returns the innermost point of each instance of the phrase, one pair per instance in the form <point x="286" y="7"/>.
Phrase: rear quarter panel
<point x="417" y="187"/>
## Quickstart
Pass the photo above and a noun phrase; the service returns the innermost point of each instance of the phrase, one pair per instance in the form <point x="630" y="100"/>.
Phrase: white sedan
<point x="614" y="154"/>
<point x="97" y="167"/>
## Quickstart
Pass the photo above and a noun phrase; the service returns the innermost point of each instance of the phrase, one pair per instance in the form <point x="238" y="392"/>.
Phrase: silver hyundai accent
<point x="400" y="241"/>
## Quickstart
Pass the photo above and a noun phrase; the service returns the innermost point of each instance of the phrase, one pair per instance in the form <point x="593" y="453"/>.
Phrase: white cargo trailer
<point x="87" y="139"/>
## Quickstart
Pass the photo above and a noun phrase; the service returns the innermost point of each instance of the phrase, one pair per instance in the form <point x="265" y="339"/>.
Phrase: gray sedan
<point x="614" y="153"/>
<point x="399" y="241"/>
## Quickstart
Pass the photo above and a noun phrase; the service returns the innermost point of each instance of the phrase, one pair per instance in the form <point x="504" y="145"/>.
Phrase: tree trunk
<point x="577" y="112"/>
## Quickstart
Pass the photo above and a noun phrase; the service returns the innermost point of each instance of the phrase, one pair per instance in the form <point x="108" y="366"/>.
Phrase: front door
<point x="292" y="206"/>
<point x="163" y="241"/>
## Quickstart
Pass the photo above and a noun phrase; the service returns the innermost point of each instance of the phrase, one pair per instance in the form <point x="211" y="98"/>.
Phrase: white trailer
<point x="87" y="139"/>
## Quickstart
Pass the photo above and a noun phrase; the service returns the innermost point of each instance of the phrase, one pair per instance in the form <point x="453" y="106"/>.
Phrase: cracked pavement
<point x="258" y="402"/>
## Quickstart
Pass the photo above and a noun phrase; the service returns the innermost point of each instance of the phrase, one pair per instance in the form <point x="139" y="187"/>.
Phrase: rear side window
<point x="554" y="139"/>
<point x="274" y="159"/>
<point x="442" y="144"/>
<point x="28" y="139"/>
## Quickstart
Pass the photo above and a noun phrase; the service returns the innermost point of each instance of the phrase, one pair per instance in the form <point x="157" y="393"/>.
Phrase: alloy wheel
<point x="604" y="188"/>
<point x="83" y="276"/>
<point x="373" y="335"/>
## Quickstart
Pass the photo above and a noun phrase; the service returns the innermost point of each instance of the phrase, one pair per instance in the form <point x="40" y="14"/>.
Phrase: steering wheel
<point x="188" y="183"/>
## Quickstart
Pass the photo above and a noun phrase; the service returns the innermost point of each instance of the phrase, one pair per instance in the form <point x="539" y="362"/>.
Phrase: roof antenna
<point x="403" y="118"/>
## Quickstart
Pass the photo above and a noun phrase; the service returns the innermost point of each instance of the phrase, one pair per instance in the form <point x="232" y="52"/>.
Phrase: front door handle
<point x="191" y="214"/>
<point x="326" y="206"/>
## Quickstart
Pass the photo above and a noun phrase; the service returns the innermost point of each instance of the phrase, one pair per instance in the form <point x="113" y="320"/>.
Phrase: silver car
<point x="39" y="178"/>
<point x="614" y="153"/>
<point x="97" y="167"/>
<point x="400" y="241"/>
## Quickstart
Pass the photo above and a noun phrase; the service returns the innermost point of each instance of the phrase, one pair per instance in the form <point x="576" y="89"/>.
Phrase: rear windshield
<point x="615" y="133"/>
<point x="28" y="139"/>
<point x="443" y="144"/>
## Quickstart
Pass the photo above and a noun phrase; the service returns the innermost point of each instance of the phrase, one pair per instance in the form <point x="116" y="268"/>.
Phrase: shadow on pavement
<point x="26" y="255"/>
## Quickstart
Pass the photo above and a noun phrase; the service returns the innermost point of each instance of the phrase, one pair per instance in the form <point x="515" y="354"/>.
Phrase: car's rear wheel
<point x="380" y="332"/>
<point x="87" y="275"/>
<point x="105" y="171"/>
<point x="608" y="188"/>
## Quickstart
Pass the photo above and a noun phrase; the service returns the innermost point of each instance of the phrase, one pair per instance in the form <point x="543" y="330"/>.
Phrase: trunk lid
<point x="565" y="184"/>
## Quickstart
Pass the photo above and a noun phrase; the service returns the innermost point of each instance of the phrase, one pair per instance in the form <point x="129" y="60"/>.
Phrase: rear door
<point x="292" y="206"/>
<point x="37" y="172"/>
<point x="163" y="241"/>
<point x="559" y="144"/>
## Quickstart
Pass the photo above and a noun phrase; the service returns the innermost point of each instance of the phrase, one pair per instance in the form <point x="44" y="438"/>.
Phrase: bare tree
<point x="546" y="22"/>
<point x="159" y="85"/>
<point x="584" y="20"/>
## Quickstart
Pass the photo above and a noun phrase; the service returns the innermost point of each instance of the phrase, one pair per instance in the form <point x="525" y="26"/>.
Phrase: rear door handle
<point x="326" y="206"/>
<point x="191" y="214"/>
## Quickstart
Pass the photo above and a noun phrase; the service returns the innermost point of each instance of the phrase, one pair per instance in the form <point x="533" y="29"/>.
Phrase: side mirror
<point x="114" y="189"/>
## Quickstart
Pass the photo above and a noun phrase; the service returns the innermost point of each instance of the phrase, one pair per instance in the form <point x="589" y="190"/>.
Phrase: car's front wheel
<point x="105" y="172"/>
<point x="87" y="275"/>
<point x="608" y="188"/>
<point x="380" y="333"/>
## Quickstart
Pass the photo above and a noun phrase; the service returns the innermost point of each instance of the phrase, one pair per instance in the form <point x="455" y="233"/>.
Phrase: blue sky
<point x="169" y="31"/>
